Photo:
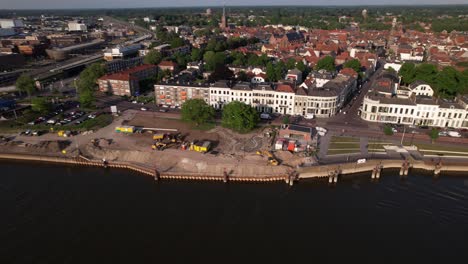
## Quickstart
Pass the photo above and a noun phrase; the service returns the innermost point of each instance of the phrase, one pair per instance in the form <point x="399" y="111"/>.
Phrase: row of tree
<point x="447" y="82"/>
<point x="237" y="116"/>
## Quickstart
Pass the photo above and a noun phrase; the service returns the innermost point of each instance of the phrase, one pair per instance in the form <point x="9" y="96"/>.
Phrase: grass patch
<point x="336" y="139"/>
<point x="344" y="145"/>
<point x="443" y="154"/>
<point x="205" y="127"/>
<point x="342" y="151"/>
<point x="436" y="147"/>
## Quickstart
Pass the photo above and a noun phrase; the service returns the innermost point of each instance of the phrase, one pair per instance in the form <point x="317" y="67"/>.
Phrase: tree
<point x="214" y="59"/>
<point x="291" y="64"/>
<point x="153" y="57"/>
<point x="40" y="105"/>
<point x="354" y="64"/>
<point x="196" y="55"/>
<point x="25" y="83"/>
<point x="239" y="116"/>
<point x="242" y="76"/>
<point x="280" y="70"/>
<point x="327" y="63"/>
<point x="270" y="72"/>
<point x="197" y="111"/>
<point x="286" y="119"/>
<point x="176" y="42"/>
<point x="426" y="72"/>
<point x="388" y="130"/>
<point x="301" y="66"/>
<point x="433" y="134"/>
<point x="407" y="72"/>
<point x="87" y="83"/>
<point x="221" y="72"/>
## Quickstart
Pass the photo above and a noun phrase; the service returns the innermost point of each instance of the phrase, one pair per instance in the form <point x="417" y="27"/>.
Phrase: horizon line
<point x="210" y="6"/>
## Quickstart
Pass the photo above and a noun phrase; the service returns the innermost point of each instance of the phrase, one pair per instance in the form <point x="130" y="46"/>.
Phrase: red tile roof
<point x="285" y="88"/>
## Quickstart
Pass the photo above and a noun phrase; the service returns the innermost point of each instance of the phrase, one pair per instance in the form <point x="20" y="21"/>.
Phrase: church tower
<point x="223" y="24"/>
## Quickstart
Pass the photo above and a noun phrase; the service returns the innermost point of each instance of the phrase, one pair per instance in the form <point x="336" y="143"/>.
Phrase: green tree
<point x="25" y="83"/>
<point x="286" y="119"/>
<point x="426" y="72"/>
<point x="280" y="70"/>
<point x="433" y="134"/>
<point x="197" y="111"/>
<point x="446" y="82"/>
<point x="196" y="55"/>
<point x="214" y="59"/>
<point x="407" y="72"/>
<point x="40" y="105"/>
<point x="153" y="57"/>
<point x="388" y="130"/>
<point x="270" y="72"/>
<point x="291" y="64"/>
<point x="86" y="98"/>
<point x="177" y="42"/>
<point x="87" y="83"/>
<point x="327" y="63"/>
<point x="239" y="116"/>
<point x="354" y="64"/>
<point x="301" y="66"/>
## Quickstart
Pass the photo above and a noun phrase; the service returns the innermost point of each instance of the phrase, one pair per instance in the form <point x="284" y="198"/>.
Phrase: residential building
<point x="76" y="26"/>
<point x="414" y="108"/>
<point x="175" y="94"/>
<point x="126" y="82"/>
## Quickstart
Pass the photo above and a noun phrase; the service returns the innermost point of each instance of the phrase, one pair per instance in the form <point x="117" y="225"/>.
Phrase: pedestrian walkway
<point x="323" y="145"/>
<point x="364" y="143"/>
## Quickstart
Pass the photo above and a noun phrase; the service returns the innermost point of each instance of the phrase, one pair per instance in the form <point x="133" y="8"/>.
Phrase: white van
<point x="309" y="116"/>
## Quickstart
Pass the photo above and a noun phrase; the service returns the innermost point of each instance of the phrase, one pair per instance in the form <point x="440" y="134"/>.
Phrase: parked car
<point x="442" y="133"/>
<point x="144" y="109"/>
<point x="454" y="134"/>
<point x="163" y="110"/>
<point x="51" y="121"/>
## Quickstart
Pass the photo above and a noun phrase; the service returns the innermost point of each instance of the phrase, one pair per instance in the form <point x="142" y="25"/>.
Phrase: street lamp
<point x="403" y="136"/>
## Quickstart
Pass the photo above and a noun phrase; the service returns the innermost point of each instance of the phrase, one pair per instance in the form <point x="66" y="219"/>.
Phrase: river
<point x="59" y="214"/>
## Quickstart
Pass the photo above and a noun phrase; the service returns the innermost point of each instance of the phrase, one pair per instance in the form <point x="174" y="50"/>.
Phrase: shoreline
<point x="331" y="171"/>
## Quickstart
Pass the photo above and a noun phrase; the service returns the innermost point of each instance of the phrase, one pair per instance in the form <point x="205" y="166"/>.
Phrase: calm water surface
<point x="58" y="214"/>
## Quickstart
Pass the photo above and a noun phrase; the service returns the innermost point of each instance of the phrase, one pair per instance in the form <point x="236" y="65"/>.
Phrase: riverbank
<point x="332" y="171"/>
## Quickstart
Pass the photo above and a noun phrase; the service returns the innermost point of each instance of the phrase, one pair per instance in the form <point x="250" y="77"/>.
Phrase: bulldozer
<point x="271" y="159"/>
<point x="159" y="146"/>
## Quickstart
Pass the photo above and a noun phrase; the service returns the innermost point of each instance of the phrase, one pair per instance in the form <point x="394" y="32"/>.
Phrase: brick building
<point x="126" y="82"/>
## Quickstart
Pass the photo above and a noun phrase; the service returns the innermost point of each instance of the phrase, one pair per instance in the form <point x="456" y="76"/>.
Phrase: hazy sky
<point x="55" y="4"/>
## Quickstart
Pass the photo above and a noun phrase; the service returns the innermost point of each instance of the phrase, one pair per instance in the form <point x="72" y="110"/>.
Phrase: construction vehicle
<point x="63" y="133"/>
<point x="125" y="129"/>
<point x="202" y="147"/>
<point x="271" y="159"/>
<point x="159" y="146"/>
<point x="159" y="136"/>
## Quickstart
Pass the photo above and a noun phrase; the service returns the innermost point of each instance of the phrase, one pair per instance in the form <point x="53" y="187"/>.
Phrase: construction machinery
<point x="271" y="159"/>
<point x="159" y="146"/>
<point x="202" y="146"/>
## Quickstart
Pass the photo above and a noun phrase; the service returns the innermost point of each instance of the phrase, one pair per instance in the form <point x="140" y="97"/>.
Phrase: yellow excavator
<point x="271" y="159"/>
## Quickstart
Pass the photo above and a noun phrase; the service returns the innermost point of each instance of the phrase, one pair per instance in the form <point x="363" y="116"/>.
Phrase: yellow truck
<point x="271" y="159"/>
<point x="125" y="129"/>
<point x="159" y="136"/>
<point x="63" y="133"/>
<point x="202" y="147"/>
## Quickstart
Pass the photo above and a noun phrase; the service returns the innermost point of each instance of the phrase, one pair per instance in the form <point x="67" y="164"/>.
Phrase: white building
<point x="75" y="26"/>
<point x="415" y="109"/>
<point x="11" y="23"/>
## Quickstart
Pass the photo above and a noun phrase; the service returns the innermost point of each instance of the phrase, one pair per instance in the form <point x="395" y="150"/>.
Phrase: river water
<point x="60" y="214"/>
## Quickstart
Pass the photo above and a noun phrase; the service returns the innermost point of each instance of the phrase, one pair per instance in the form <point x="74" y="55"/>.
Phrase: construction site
<point x="171" y="145"/>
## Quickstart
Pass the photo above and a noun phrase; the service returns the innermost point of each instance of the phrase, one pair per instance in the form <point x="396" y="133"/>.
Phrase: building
<point x="76" y="26"/>
<point x="126" y="82"/>
<point x="300" y="133"/>
<point x="118" y="65"/>
<point x="175" y="94"/>
<point x="167" y="65"/>
<point x="415" y="108"/>
<point x="223" y="24"/>
<point x="11" y="23"/>
<point x="121" y="52"/>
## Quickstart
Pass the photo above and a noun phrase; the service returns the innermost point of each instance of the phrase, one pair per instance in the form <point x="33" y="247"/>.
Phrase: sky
<point x="71" y="4"/>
